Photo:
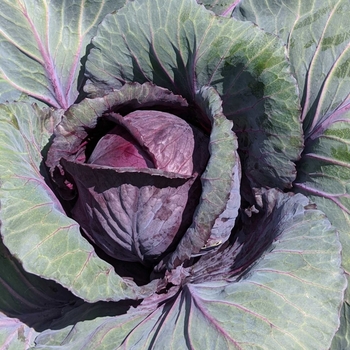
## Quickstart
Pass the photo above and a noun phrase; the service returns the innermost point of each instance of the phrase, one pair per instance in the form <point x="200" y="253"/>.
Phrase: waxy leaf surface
<point x="290" y="299"/>
<point x="317" y="36"/>
<point x="181" y="46"/>
<point x="33" y="220"/>
<point x="42" y="44"/>
<point x="220" y="7"/>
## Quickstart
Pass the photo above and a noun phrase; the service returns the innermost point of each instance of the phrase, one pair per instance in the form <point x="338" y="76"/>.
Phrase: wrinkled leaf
<point x="290" y="299"/>
<point x="33" y="220"/>
<point x="324" y="175"/>
<point x="42" y="44"/>
<point x="31" y="304"/>
<point x="154" y="204"/>
<point x="83" y="116"/>
<point x="168" y="139"/>
<point x="317" y="35"/>
<point x="220" y="199"/>
<point x="318" y="39"/>
<point x="192" y="48"/>
<point x="132" y="215"/>
<point x="280" y="17"/>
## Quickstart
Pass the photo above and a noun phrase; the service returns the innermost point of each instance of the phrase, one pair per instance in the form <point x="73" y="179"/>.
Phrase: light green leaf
<point x="317" y="35"/>
<point x="220" y="7"/>
<point x="179" y="45"/>
<point x="324" y="178"/>
<point x="105" y="333"/>
<point x="30" y="304"/>
<point x="279" y="17"/>
<point x="42" y="44"/>
<point x="318" y="39"/>
<point x="31" y="300"/>
<point x="15" y="335"/>
<point x="341" y="339"/>
<point x="35" y="227"/>
<point x="290" y="299"/>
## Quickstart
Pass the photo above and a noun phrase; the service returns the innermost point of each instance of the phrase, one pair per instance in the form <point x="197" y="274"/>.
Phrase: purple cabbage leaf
<point x="236" y="58"/>
<point x="43" y="224"/>
<point x="149" y="196"/>
<point x="125" y="193"/>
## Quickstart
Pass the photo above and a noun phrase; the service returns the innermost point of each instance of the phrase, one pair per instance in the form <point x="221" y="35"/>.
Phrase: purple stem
<point x="230" y="9"/>
<point x="323" y="194"/>
<point x="49" y="64"/>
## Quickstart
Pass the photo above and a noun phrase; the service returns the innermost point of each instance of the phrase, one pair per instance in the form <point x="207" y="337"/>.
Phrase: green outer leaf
<point x="220" y="7"/>
<point x="15" y="335"/>
<point x="33" y="300"/>
<point x="290" y="299"/>
<point x="30" y="304"/>
<point x="34" y="226"/>
<point x="342" y="338"/>
<point x="104" y="333"/>
<point x="318" y="39"/>
<point x="278" y="17"/>
<point x="179" y="45"/>
<point x="41" y="45"/>
<point x="324" y="176"/>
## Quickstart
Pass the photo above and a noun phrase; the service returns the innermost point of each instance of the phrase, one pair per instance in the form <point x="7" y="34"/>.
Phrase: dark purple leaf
<point x="133" y="215"/>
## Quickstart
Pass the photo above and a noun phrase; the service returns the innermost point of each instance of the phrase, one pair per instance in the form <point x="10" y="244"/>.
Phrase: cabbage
<point x="174" y="174"/>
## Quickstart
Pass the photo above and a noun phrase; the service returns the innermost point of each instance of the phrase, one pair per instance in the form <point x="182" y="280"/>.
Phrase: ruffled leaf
<point x="289" y="299"/>
<point x="220" y="199"/>
<point x="317" y="37"/>
<point x="318" y="40"/>
<point x="133" y="215"/>
<point x="193" y="48"/>
<point x="83" y="116"/>
<point x="155" y="205"/>
<point x="33" y="220"/>
<point x="42" y="44"/>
